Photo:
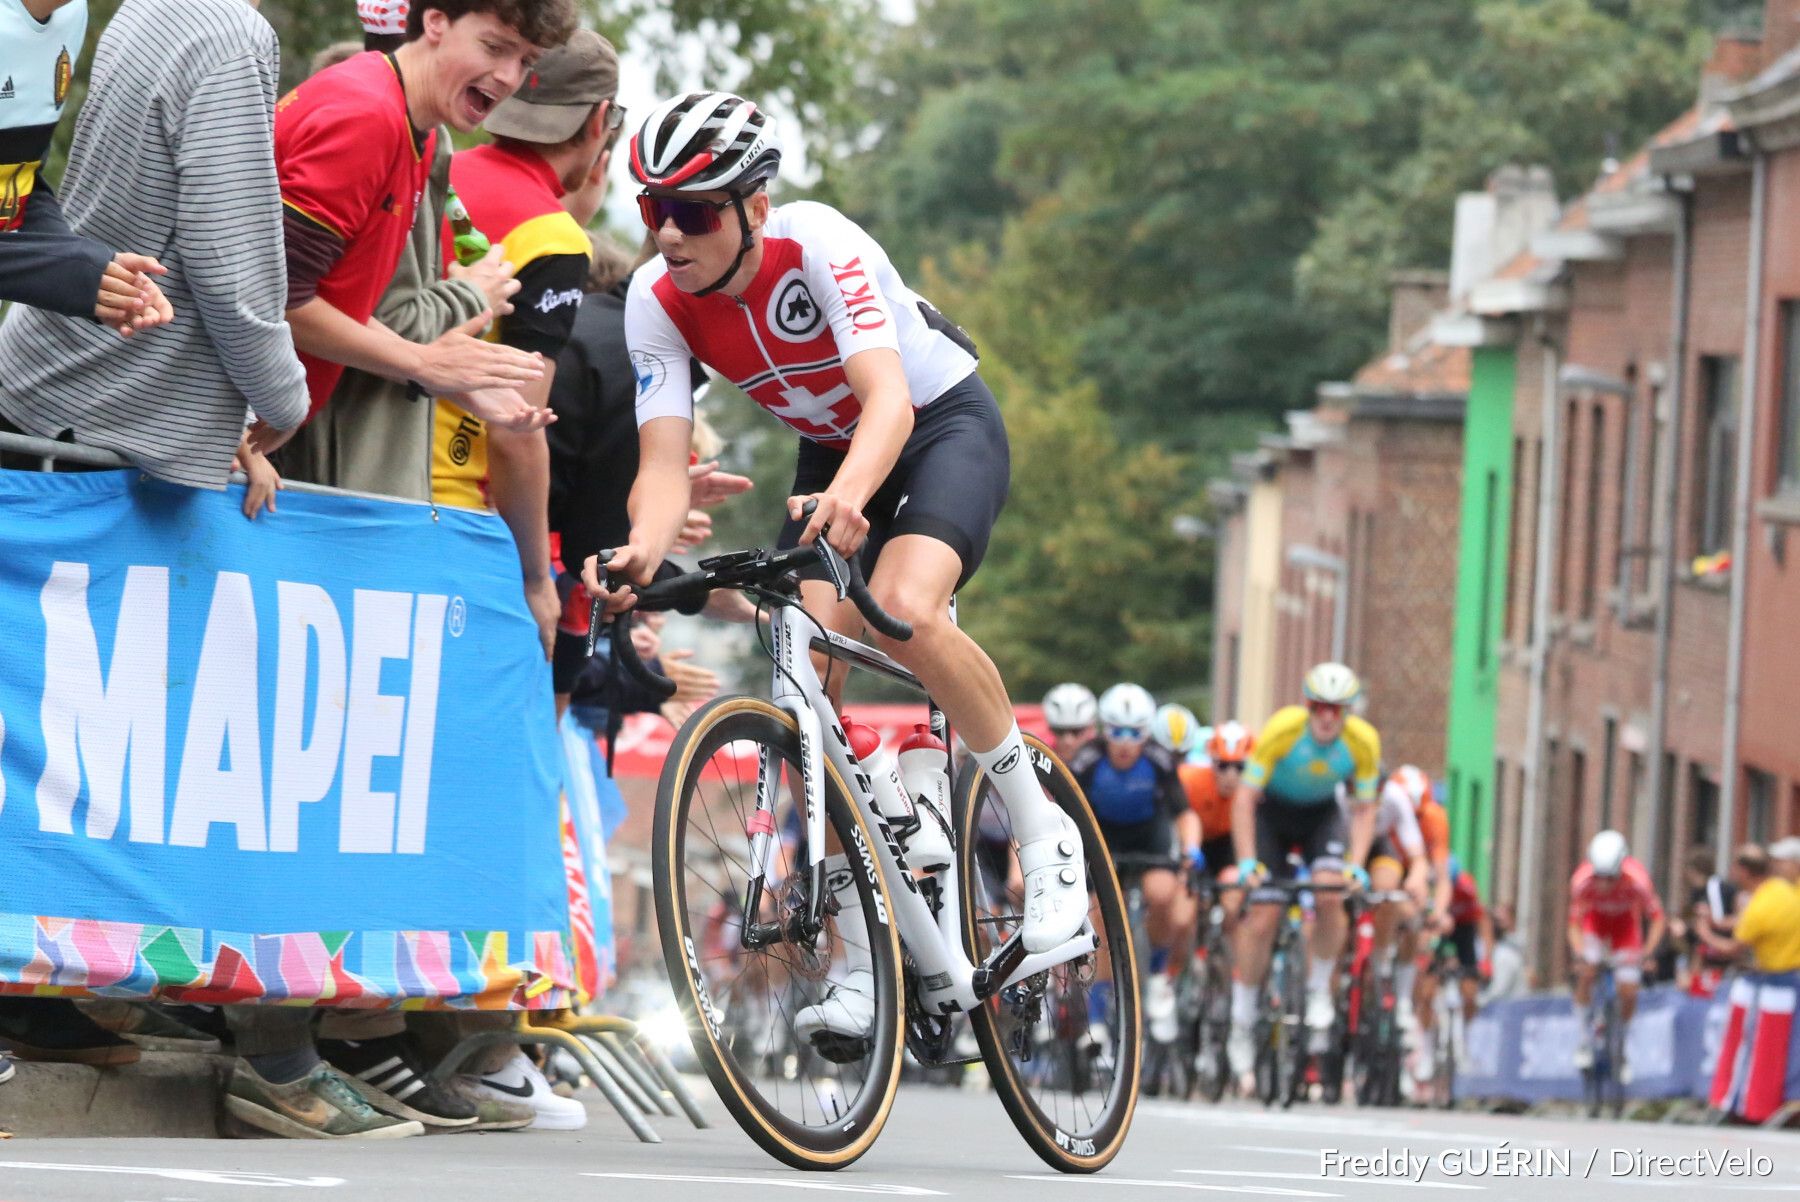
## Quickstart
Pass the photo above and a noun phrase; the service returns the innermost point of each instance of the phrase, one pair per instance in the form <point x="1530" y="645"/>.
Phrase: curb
<point x="169" y="1094"/>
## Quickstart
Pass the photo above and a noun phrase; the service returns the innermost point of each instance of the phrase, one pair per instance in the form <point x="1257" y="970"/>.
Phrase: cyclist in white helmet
<point x="902" y="449"/>
<point x="1070" y="712"/>
<point x="1134" y="787"/>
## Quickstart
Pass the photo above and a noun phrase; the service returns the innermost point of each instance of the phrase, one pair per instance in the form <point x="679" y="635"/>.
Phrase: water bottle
<point x="891" y="799"/>
<point x="925" y="774"/>
<point x="471" y="244"/>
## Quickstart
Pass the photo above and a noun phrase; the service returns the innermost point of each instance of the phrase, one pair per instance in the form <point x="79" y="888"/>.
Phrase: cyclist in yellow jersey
<point x="1288" y="801"/>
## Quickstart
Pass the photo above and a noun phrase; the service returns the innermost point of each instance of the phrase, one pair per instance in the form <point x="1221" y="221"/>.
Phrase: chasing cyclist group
<point x="1307" y="799"/>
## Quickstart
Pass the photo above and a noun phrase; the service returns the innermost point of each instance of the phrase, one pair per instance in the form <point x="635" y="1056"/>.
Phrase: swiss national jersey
<point x="825" y="292"/>
<point x="1611" y="900"/>
<point x="352" y="166"/>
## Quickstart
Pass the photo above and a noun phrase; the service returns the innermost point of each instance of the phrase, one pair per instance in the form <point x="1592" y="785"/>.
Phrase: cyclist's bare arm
<point x="1243" y="821"/>
<point x="878" y="379"/>
<point x="658" y="506"/>
<point x="1362" y="828"/>
<point x="1187" y="830"/>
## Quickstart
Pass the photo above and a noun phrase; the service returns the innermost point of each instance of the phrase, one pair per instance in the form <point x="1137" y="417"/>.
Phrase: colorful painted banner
<point x="308" y="758"/>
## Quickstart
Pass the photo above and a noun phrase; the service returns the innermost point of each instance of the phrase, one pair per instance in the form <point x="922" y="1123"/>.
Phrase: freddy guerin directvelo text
<point x="1503" y="1160"/>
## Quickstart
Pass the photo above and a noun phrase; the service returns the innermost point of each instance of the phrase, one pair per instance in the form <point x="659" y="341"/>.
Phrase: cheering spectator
<point x="549" y="139"/>
<point x="1768" y="931"/>
<point x="176" y="159"/>
<point x="354" y="146"/>
<point x="375" y="434"/>
<point x="1712" y="905"/>
<point x="43" y="262"/>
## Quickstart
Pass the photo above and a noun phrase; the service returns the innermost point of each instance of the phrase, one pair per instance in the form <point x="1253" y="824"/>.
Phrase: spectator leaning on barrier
<point x="353" y="146"/>
<point x="1712" y="904"/>
<point x="374" y="435"/>
<point x="549" y="138"/>
<point x="1768" y="930"/>
<point x="43" y="262"/>
<point x="177" y="161"/>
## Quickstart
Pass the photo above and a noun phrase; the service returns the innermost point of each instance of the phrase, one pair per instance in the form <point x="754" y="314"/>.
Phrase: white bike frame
<point x="946" y="975"/>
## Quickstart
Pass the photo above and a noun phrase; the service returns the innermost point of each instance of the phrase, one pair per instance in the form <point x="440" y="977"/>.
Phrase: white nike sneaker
<point x="1159" y="1008"/>
<point x="519" y="1080"/>
<point x="847" y="1010"/>
<point x="1056" y="901"/>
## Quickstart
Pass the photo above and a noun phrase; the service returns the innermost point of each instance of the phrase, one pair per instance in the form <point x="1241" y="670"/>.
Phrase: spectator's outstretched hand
<point x="696" y="530"/>
<point x="494" y="276"/>
<point x="709" y="485"/>
<point x="129" y="300"/>
<point x="460" y="362"/>
<point x="506" y="408"/>
<point x="264" y="481"/>
<point x="693" y="684"/>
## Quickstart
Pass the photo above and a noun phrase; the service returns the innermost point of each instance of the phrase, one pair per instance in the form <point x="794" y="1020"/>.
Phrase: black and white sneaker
<point x="389" y="1077"/>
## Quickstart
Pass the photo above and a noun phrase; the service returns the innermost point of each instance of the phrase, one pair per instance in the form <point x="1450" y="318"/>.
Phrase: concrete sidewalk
<point x="163" y="1094"/>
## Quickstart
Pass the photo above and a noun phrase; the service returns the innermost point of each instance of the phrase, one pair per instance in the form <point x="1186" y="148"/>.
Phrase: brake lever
<point x="835" y="566"/>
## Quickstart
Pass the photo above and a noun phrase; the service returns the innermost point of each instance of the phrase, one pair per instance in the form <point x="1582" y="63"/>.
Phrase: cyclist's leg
<point x="1221" y="863"/>
<point x="1323" y="849"/>
<point x="1254" y="944"/>
<point x="1594" y="951"/>
<point x="1468" y="956"/>
<point x="1384" y="875"/>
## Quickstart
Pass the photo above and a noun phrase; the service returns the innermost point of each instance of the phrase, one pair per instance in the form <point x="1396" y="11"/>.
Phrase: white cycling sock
<point x="1243" y="1004"/>
<point x="852" y="932"/>
<point x="1405" y="975"/>
<point x="1319" y="979"/>
<point x="1034" y="816"/>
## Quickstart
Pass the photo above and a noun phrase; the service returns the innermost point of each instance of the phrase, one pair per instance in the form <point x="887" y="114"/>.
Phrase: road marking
<point x="1265" y="1191"/>
<point x="911" y="1191"/>
<point x="204" y="1176"/>
<point x="1319" y="1179"/>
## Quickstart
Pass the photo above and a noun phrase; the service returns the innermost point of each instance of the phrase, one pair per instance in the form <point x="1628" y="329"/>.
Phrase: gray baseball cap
<point x="1785" y="849"/>
<point x="560" y="92"/>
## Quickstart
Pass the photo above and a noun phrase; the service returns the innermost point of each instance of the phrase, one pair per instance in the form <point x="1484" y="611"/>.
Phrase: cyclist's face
<point x="1229" y="773"/>
<point x="696" y="260"/>
<point x="1327" y="722"/>
<point x="1124" y="748"/>
<point x="478" y="61"/>
<point x="1067" y="741"/>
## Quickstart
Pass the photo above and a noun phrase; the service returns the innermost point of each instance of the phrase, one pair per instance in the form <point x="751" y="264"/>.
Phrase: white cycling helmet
<point x="1176" y="728"/>
<point x="705" y="141"/>
<point x="1333" y="684"/>
<point x="1414" y="783"/>
<point x="1606" y="853"/>
<point x="1128" y="706"/>
<point x="1069" y="706"/>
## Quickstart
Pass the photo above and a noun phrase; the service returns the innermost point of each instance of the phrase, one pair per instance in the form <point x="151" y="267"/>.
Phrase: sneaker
<point x="390" y="1078"/>
<point x="320" y="1105"/>
<point x="493" y="1111"/>
<point x="840" y="1025"/>
<point x="1056" y="902"/>
<point x="519" y="1080"/>
<point x="1159" y="1008"/>
<point x="1240" y="1051"/>
<point x="53" y="1030"/>
<point x="147" y="1025"/>
<point x="1320" y="1013"/>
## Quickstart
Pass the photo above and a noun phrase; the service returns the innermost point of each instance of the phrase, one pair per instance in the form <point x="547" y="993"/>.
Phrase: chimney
<point x="1494" y="225"/>
<point x="1781" y="28"/>
<point x="1418" y="296"/>
<point x="1735" y="59"/>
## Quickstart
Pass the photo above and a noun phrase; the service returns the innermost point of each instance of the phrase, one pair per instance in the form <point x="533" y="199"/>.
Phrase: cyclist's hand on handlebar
<point x="848" y="526"/>
<point x="631" y="561"/>
<point x="1251" y="871"/>
<point x="1358" y="876"/>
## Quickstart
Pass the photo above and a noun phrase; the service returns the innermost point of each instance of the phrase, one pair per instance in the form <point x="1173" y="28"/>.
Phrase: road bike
<point x="1165" y="1063"/>
<point x="1372" y="1019"/>
<point x="1203" y="998"/>
<point x="820" y="928"/>
<point x="1281" y="1037"/>
<point x="1603" y="1089"/>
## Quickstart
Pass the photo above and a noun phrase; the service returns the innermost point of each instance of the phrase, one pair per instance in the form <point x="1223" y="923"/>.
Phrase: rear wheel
<point x="1062" y="1047"/>
<point x="809" y="1105"/>
<point x="1212" y="1071"/>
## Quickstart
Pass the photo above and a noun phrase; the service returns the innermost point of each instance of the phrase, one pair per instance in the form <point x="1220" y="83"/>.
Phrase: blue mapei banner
<point x="309" y="757"/>
<point x="1523" y="1049"/>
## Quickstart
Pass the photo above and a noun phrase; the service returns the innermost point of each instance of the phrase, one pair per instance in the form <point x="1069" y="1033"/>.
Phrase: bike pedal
<point x="842" y="1049"/>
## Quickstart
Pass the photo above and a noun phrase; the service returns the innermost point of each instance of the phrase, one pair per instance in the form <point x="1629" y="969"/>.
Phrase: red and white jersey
<point x="1612" y="899"/>
<point x="825" y="292"/>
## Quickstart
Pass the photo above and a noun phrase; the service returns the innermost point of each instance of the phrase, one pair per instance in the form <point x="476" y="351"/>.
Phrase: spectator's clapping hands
<point x="263" y="480"/>
<point x="493" y="275"/>
<point x="460" y="363"/>
<point x="709" y="485"/>
<point x="645" y="641"/>
<point x="694" y="685"/>
<point x="696" y="530"/>
<point x="505" y="407"/>
<point x="129" y="300"/>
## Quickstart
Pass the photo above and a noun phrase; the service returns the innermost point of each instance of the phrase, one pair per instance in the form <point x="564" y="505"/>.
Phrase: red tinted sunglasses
<point x="690" y="216"/>
<point x="1326" y="708"/>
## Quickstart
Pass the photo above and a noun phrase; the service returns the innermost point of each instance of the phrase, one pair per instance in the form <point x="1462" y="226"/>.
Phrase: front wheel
<point x="1075" y="1120"/>
<point x="812" y="1099"/>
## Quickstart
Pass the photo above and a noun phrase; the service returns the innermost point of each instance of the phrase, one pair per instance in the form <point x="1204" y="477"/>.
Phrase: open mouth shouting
<point x="477" y="103"/>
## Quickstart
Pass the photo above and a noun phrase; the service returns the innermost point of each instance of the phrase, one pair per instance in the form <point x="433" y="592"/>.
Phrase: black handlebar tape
<point x="625" y="652"/>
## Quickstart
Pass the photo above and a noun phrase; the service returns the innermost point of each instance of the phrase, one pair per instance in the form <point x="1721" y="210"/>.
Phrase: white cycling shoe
<point x="1159" y="1008"/>
<point x="844" y="1017"/>
<point x="1240" y="1051"/>
<point x="1056" y="902"/>
<point x="1320" y="1013"/>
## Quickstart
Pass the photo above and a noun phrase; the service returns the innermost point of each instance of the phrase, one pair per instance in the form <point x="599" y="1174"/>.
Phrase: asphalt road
<point x="942" y="1143"/>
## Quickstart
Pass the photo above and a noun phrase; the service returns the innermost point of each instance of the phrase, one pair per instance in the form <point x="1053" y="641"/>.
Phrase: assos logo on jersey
<point x="336" y="711"/>
<point x="794" y="316"/>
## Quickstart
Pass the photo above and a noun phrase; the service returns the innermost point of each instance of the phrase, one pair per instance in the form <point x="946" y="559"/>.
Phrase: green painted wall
<point x="1480" y="605"/>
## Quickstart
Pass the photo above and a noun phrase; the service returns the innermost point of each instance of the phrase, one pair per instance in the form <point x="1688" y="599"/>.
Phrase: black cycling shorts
<point x="1220" y="853"/>
<point x="1462" y="937"/>
<point x="1319" y="832"/>
<point x="1384" y="848"/>
<point x="949" y="484"/>
<point x="1153" y="838"/>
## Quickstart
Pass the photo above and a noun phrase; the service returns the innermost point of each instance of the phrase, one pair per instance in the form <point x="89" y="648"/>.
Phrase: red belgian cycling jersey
<point x="1614" y="907"/>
